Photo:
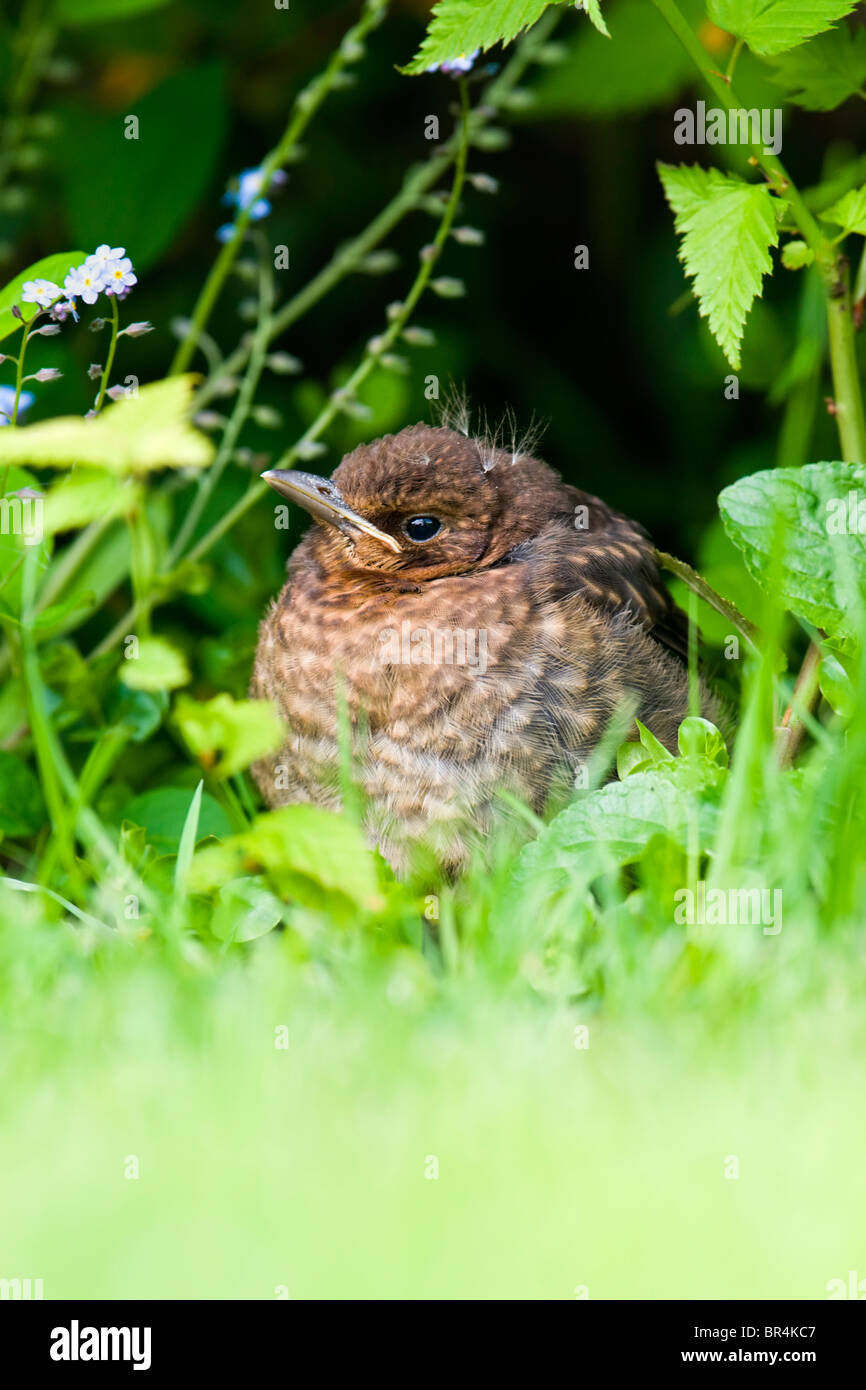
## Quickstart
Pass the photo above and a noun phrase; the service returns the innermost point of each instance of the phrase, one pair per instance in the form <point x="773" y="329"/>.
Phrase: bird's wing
<point x="615" y="565"/>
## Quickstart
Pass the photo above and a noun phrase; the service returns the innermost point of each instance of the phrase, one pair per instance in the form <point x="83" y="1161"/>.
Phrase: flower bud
<point x="94" y="370"/>
<point x="136" y="330"/>
<point x="448" y="287"/>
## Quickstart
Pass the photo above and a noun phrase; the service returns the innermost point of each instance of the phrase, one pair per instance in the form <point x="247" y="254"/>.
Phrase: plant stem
<point x="770" y="163"/>
<point x="109" y="361"/>
<point x="258" y="489"/>
<point x="305" y="107"/>
<point x="847" y="395"/>
<point x="241" y="408"/>
<point x="418" y="182"/>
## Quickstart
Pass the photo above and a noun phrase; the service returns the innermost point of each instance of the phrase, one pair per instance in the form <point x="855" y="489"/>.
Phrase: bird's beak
<point x="322" y="499"/>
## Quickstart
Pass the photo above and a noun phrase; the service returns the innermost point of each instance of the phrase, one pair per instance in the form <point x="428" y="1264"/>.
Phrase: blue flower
<point x="7" y="403"/>
<point x="247" y="195"/>
<point x="463" y="63"/>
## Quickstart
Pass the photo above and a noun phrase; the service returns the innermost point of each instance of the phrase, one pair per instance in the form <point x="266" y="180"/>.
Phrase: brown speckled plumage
<point x="574" y="617"/>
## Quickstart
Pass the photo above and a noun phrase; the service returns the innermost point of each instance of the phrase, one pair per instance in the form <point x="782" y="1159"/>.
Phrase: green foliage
<point x="727" y="228"/>
<point x="162" y="814"/>
<point x="820" y="75"/>
<point x="54" y="267"/>
<point x="83" y="12"/>
<point x="22" y="808"/>
<point x="772" y="26"/>
<point x="157" y="665"/>
<point x="147" y="186"/>
<point x="137" y="434"/>
<point x="457" y="27"/>
<point x="849" y="212"/>
<point x="645" y="66"/>
<point x="227" y="735"/>
<point x="793" y="526"/>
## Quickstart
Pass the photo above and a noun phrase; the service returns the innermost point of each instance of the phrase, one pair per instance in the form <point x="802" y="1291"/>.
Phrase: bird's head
<point x="424" y="503"/>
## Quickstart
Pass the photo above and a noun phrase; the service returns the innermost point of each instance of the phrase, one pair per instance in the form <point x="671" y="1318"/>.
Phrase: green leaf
<point x="594" y="15"/>
<point x="148" y="186"/>
<point x="227" y="735"/>
<point x="295" y="844"/>
<point x="162" y="814"/>
<point x="796" y="255"/>
<point x="772" y="26"/>
<point x="799" y="532"/>
<point x="157" y="666"/>
<point x="610" y="827"/>
<point x="245" y="910"/>
<point x="727" y="228"/>
<point x="644" y="66"/>
<point x="187" y="841"/>
<point x="849" y="212"/>
<point x="22" y="809"/>
<point x="77" y="13"/>
<point x="824" y="73"/>
<point x="457" y="27"/>
<point x="82" y="497"/>
<point x="136" y="435"/>
<point x="54" y="268"/>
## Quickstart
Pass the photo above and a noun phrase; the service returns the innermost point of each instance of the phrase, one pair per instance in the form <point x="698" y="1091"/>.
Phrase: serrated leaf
<point x="773" y="26"/>
<point x="136" y="435"/>
<point x="849" y="212"/>
<point x="54" y="268"/>
<point x="727" y="228"/>
<point x="458" y="27"/>
<point x="799" y="532"/>
<point x="822" y="74"/>
<point x="592" y="9"/>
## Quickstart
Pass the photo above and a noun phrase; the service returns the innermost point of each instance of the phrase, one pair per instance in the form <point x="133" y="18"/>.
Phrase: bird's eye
<point x="422" y="528"/>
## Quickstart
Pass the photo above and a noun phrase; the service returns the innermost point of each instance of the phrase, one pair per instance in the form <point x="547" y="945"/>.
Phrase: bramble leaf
<point x="822" y="74"/>
<point x="457" y="27"/>
<point x="849" y="212"/>
<point x="773" y="26"/>
<point x="727" y="228"/>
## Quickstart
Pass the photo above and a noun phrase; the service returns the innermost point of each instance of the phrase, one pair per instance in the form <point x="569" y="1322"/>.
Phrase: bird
<point x="477" y="623"/>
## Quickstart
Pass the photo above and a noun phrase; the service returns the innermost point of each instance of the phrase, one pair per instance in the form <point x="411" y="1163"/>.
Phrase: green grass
<point x="560" y="1166"/>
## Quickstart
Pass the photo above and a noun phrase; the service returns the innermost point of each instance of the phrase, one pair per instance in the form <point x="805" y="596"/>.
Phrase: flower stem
<point x="417" y="182"/>
<point x="306" y="105"/>
<point x="109" y="361"/>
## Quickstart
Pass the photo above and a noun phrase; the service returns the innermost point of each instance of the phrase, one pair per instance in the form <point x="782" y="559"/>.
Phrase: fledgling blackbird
<point x="484" y="622"/>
